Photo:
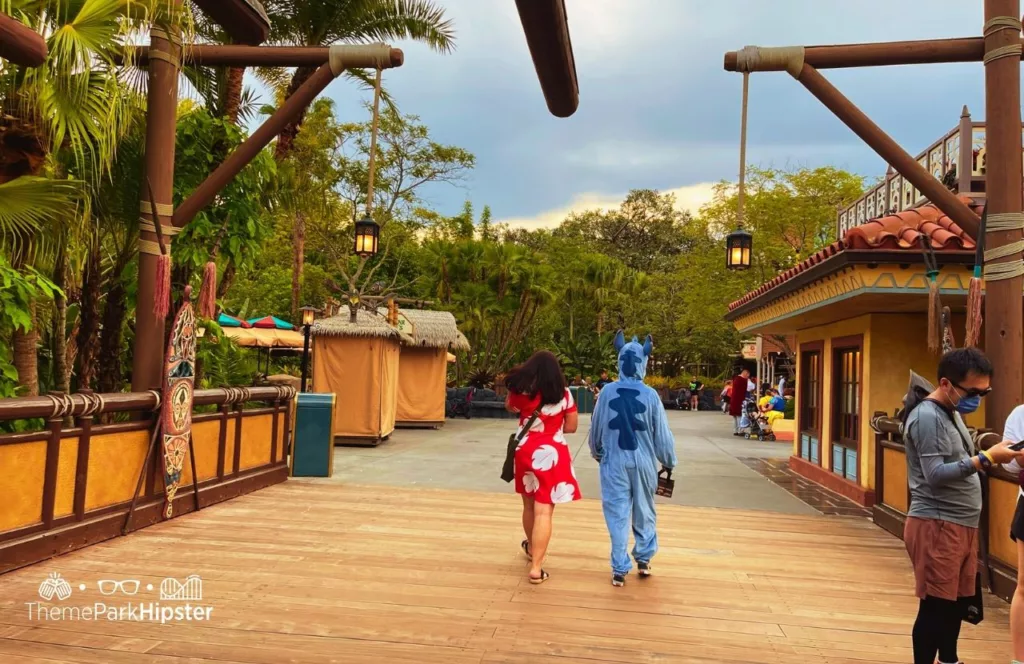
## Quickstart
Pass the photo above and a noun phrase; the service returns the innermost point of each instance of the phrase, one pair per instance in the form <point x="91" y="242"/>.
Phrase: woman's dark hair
<point x="541" y="374"/>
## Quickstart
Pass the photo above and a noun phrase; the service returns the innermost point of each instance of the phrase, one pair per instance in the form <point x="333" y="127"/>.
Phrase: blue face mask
<point x="968" y="405"/>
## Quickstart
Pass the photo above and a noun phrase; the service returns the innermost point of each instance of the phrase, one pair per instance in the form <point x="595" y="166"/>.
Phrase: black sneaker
<point x="618" y="580"/>
<point x="644" y="569"/>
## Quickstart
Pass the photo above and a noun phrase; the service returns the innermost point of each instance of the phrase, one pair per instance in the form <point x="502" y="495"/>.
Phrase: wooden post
<point x="1004" y="318"/>
<point x="889" y="150"/>
<point x="161" y="119"/>
<point x="963" y="174"/>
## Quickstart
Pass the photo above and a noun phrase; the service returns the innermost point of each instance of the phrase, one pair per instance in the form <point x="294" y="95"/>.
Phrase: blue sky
<point x="656" y="107"/>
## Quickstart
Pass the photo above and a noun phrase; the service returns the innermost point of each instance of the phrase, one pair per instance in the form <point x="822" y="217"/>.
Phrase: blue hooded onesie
<point x="629" y="434"/>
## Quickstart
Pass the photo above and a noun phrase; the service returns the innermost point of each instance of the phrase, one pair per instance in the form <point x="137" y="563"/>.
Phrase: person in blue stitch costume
<point x="629" y="434"/>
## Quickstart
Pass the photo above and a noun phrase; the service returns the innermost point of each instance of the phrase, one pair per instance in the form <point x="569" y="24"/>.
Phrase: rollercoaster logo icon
<point x="54" y="586"/>
<point x="189" y="590"/>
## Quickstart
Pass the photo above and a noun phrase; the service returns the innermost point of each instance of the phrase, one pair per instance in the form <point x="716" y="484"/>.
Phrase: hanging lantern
<point x="737" y="249"/>
<point x="308" y="314"/>
<point x="367" y="234"/>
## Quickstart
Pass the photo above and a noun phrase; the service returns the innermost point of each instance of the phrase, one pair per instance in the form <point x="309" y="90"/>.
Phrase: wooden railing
<point x="892" y="500"/>
<point x="71" y="484"/>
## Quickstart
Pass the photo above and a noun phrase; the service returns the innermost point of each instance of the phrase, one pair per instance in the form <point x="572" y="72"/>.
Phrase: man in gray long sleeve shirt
<point x="941" y="532"/>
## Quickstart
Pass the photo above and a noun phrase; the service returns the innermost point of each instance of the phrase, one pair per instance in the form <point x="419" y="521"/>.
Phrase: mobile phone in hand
<point x="1017" y="447"/>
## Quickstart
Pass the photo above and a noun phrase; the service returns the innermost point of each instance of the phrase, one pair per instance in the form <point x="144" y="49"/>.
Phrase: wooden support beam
<point x="1004" y="318"/>
<point x="339" y="58"/>
<point x="547" y="35"/>
<point x="158" y="178"/>
<point x="218" y="55"/>
<point x="247" y="151"/>
<point x="245" y="20"/>
<point x="889" y="150"/>
<point x="926" y="51"/>
<point x="20" y="44"/>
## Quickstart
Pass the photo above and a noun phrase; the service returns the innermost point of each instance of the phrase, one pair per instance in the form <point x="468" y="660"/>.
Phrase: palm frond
<point x="420" y="20"/>
<point x="29" y="205"/>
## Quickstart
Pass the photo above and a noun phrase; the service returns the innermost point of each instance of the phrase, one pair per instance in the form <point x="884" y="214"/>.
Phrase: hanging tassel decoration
<point x="162" y="288"/>
<point x="974" y="295"/>
<point x="162" y="291"/>
<point x="208" y="291"/>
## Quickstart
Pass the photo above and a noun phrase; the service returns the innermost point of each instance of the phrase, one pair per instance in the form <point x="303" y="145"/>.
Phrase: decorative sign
<point x="176" y="409"/>
<point x="749" y="350"/>
<point x="405" y="325"/>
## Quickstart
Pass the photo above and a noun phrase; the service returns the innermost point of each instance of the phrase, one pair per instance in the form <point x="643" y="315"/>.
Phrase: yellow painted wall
<point x="22" y="468"/>
<point x="894" y="491"/>
<point x="256" y="437"/>
<point x="67" y="464"/>
<point x="894" y="344"/>
<point x="206" y="438"/>
<point x="1002" y="501"/>
<point x="115" y="460"/>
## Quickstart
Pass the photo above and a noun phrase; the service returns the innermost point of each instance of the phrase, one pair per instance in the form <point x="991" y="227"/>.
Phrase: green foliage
<point x="243" y="208"/>
<point x="790" y="412"/>
<point x="18" y="288"/>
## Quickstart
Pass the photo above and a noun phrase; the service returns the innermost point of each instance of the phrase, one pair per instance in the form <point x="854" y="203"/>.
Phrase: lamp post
<point x="737" y="249"/>
<point x="367" y="236"/>
<point x="307" y="323"/>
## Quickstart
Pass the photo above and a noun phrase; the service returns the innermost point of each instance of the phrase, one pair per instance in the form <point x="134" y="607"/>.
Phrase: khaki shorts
<point x="944" y="556"/>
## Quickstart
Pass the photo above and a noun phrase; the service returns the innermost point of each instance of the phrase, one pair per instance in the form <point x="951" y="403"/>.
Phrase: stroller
<point x="757" y="422"/>
<point x="460" y="402"/>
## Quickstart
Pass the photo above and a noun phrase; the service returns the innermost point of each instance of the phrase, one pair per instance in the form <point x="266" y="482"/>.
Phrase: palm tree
<point x="74" y="103"/>
<point x="325" y="22"/>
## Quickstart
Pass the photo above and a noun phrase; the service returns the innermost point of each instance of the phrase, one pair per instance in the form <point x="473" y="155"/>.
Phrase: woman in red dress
<point x="544" y="472"/>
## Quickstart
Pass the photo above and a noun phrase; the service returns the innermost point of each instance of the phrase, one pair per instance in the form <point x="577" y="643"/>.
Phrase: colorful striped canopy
<point x="271" y="323"/>
<point x="225" y="320"/>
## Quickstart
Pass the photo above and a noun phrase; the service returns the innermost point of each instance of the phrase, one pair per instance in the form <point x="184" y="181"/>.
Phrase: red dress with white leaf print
<point x="543" y="459"/>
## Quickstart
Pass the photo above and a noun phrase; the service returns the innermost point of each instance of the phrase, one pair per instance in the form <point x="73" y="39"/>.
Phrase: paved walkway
<point x="467" y="454"/>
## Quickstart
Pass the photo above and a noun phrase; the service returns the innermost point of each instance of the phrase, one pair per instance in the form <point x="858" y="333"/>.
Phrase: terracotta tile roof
<point x="896" y="232"/>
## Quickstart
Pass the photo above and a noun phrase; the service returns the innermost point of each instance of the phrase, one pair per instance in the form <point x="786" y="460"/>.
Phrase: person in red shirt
<point x="739" y="393"/>
<point x="543" y="461"/>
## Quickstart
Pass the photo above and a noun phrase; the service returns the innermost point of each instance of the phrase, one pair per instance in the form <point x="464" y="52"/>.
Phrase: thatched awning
<point x="433" y="329"/>
<point x="366" y="324"/>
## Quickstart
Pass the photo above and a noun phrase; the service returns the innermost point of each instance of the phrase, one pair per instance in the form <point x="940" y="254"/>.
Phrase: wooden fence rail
<point x="66" y="487"/>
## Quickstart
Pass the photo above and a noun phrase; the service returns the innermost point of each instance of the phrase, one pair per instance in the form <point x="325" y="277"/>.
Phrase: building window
<point x="846" y="372"/>
<point x="809" y="423"/>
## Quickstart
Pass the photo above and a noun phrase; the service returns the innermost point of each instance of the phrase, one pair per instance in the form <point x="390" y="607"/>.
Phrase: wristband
<point x="985" y="459"/>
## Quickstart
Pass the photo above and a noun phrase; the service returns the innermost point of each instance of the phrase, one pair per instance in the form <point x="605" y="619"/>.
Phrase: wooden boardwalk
<point x="321" y="572"/>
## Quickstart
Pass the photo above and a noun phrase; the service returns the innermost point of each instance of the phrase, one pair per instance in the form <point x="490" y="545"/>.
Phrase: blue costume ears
<point x="620" y="341"/>
<point x="648" y="345"/>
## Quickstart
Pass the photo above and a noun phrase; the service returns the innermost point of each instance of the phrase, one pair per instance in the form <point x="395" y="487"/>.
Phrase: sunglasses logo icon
<point x="109" y="587"/>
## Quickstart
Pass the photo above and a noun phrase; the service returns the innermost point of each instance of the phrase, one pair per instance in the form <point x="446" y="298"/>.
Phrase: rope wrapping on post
<point x="379" y="54"/>
<point x="994" y="25"/>
<point x="771" y="58"/>
<point x="998" y="222"/>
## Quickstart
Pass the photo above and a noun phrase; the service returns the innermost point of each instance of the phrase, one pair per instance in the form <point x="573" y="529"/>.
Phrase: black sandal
<point x="544" y="576"/>
<point x="526" y="549"/>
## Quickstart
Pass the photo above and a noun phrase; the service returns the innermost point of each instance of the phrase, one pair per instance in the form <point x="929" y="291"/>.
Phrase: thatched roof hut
<point x="435" y="329"/>
<point x="366" y="324"/>
<point x="357" y="360"/>
<point x="423" y="366"/>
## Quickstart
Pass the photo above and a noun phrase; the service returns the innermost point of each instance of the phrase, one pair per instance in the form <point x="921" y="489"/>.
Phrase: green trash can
<point x="313" y="451"/>
<point x="584" y="399"/>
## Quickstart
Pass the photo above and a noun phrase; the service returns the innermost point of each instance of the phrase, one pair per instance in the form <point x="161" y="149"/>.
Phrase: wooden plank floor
<point x="321" y="572"/>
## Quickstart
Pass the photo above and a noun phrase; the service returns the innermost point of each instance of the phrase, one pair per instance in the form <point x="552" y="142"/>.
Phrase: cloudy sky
<point x="656" y="107"/>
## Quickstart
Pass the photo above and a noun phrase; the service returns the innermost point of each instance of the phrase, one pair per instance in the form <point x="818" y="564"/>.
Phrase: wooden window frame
<point x="839" y="346"/>
<point x="802" y="426"/>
